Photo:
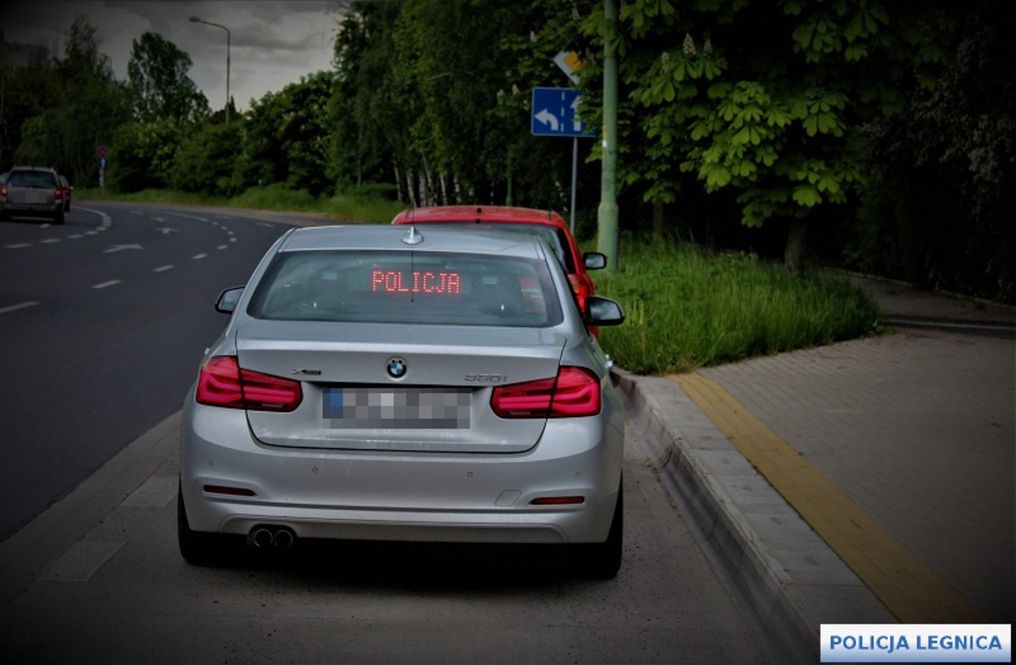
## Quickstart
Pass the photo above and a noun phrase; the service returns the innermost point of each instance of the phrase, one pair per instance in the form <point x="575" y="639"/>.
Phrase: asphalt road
<point x="103" y="322"/>
<point x="113" y="589"/>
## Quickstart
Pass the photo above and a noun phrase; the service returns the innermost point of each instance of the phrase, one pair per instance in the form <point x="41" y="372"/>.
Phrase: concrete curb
<point x="24" y="554"/>
<point x="787" y="573"/>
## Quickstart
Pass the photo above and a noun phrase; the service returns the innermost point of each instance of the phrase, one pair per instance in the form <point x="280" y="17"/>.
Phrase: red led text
<point x="421" y="281"/>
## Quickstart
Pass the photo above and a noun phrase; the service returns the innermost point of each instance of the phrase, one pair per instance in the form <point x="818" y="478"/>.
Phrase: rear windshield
<point x="38" y="179"/>
<point x="553" y="236"/>
<point x="407" y="287"/>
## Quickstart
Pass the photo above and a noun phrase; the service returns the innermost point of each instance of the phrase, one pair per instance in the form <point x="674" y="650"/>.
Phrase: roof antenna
<point x="412" y="236"/>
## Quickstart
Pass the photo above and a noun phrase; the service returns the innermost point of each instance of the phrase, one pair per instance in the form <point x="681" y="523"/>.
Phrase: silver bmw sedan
<point x="388" y="383"/>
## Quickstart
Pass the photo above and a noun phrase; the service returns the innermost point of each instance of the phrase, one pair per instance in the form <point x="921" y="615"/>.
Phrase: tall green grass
<point x="686" y="308"/>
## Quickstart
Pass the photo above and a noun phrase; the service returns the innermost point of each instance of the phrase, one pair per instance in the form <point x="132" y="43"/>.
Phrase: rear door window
<point x="407" y="287"/>
<point x="34" y="179"/>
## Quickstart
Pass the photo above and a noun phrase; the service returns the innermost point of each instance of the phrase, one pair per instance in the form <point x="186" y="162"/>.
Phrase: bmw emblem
<point x="396" y="368"/>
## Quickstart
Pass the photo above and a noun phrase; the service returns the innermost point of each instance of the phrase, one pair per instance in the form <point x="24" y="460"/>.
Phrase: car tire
<point x="59" y="217"/>
<point x="196" y="547"/>
<point x="601" y="561"/>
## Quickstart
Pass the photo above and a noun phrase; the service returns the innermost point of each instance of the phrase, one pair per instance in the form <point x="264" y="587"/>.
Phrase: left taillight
<point x="574" y="392"/>
<point x="223" y="382"/>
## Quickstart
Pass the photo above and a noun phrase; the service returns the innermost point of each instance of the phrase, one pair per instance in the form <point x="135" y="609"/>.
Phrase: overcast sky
<point x="273" y="43"/>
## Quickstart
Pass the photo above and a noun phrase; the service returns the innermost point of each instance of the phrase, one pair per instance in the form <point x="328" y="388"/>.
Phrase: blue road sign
<point x="553" y="113"/>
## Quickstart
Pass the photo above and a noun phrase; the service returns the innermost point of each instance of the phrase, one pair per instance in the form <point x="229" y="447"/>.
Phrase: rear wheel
<point x="196" y="547"/>
<point x="59" y="217"/>
<point x="601" y="561"/>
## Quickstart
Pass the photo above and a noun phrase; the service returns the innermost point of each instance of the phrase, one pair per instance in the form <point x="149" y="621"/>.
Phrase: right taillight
<point x="575" y="391"/>
<point x="223" y="382"/>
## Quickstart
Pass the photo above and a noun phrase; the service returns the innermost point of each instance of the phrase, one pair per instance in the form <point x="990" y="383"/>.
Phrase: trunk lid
<point x="441" y="404"/>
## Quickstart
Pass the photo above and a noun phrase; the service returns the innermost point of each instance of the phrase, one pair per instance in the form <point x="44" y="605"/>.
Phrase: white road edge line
<point x="163" y="268"/>
<point x="102" y="285"/>
<point x="20" y="305"/>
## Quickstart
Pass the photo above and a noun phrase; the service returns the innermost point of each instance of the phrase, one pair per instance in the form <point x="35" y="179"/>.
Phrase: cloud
<point x="272" y="43"/>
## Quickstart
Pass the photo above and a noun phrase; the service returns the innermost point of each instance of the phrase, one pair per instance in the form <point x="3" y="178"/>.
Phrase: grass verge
<point x="363" y="206"/>
<point x="686" y="309"/>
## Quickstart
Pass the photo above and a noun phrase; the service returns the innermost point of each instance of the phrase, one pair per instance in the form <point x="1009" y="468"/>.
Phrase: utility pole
<point x="195" y="19"/>
<point x="606" y="214"/>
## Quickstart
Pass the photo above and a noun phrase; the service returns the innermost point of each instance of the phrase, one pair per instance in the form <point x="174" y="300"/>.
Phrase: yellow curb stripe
<point x="908" y="587"/>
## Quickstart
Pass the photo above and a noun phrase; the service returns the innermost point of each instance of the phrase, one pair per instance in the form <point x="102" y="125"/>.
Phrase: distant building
<point x="21" y="55"/>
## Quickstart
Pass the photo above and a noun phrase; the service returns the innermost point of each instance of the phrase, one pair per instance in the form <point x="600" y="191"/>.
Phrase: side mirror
<point x="603" y="312"/>
<point x="228" y="299"/>
<point x="594" y="261"/>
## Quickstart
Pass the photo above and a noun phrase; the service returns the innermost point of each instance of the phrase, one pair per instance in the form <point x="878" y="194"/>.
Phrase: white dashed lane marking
<point x="163" y="268"/>
<point x="75" y="236"/>
<point x="49" y="241"/>
<point x="232" y="239"/>
<point x="20" y="305"/>
<point x="18" y="245"/>
<point x="103" y="285"/>
<point x="221" y="247"/>
<point x="198" y="257"/>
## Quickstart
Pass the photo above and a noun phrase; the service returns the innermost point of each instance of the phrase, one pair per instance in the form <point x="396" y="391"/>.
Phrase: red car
<point x="544" y="223"/>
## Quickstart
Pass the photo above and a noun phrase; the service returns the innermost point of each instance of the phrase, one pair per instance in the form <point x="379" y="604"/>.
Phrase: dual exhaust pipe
<point x="271" y="537"/>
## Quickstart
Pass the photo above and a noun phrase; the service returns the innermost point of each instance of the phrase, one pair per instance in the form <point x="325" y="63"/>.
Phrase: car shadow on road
<point x="420" y="567"/>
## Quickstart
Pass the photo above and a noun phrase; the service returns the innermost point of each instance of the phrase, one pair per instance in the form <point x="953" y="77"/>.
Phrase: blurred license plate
<point x="354" y="407"/>
<point x="37" y="196"/>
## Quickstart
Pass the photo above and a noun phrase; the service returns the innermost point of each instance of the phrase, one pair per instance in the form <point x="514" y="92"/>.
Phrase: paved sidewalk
<point x="914" y="432"/>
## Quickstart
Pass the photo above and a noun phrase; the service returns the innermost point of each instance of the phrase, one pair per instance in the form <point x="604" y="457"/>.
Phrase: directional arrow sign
<point x="553" y="113"/>
<point x="119" y="248"/>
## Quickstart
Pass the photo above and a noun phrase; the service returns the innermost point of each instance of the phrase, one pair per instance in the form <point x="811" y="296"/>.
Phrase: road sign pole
<point x="574" y="177"/>
<point x="607" y="213"/>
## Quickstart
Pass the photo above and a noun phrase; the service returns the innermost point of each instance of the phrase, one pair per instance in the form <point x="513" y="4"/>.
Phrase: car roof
<point x="481" y="214"/>
<point x="434" y="239"/>
<point x="33" y="168"/>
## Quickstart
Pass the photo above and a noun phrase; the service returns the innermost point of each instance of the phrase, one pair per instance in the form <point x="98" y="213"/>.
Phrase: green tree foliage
<point x="764" y="99"/>
<point x="368" y="113"/>
<point x="286" y="135"/>
<point x="940" y="206"/>
<point x="158" y="84"/>
<point x="25" y="92"/>
<point x="143" y="154"/>
<point x="166" y="106"/>
<point x="87" y="106"/>
<point x="434" y="96"/>
<point x="207" y="160"/>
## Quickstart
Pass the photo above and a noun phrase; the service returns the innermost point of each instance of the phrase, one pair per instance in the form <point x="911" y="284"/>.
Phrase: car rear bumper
<point x="437" y="497"/>
<point x="33" y="209"/>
